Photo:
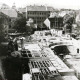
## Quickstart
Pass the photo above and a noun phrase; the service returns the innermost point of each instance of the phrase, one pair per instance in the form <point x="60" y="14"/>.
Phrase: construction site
<point x="51" y="57"/>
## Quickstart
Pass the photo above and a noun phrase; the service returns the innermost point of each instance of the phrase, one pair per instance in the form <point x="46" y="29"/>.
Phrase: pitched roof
<point x="9" y="12"/>
<point x="3" y="15"/>
<point x="39" y="8"/>
<point x="21" y="10"/>
<point x="4" y="6"/>
<point x="50" y="9"/>
<point x="54" y="14"/>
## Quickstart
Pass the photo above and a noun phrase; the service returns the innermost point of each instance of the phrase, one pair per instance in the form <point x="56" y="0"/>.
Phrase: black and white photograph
<point x="39" y="39"/>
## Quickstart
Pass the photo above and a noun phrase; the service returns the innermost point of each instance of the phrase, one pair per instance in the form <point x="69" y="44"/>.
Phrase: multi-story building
<point x="38" y="13"/>
<point x="62" y="20"/>
<point x="56" y="22"/>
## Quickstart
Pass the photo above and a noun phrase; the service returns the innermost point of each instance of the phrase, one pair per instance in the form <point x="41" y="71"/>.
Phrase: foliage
<point x="3" y="48"/>
<point x="2" y="34"/>
<point x="19" y="24"/>
<point x="68" y="21"/>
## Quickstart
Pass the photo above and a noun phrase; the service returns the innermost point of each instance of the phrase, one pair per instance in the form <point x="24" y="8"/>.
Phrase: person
<point x="21" y="43"/>
<point x="10" y="46"/>
<point x="77" y="50"/>
<point x="16" y="45"/>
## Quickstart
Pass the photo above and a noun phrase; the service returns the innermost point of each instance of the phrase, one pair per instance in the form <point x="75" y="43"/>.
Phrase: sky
<point x="67" y="4"/>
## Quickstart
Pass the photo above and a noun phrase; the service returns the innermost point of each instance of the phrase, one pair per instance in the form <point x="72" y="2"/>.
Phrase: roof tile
<point x="9" y="12"/>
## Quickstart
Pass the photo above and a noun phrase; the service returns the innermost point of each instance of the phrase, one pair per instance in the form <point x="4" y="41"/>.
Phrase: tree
<point x="20" y="24"/>
<point x="69" y="20"/>
<point x="30" y="26"/>
<point x="3" y="22"/>
<point x="2" y="33"/>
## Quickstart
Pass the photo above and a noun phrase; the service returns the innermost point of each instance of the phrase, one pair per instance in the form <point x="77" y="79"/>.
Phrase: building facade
<point x="56" y="22"/>
<point x="38" y="13"/>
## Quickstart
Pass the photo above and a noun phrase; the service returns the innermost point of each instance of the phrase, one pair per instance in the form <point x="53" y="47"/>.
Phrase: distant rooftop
<point x="39" y="8"/>
<point x="21" y="10"/>
<point x="4" y="6"/>
<point x="54" y="14"/>
<point x="9" y="12"/>
<point x="3" y="15"/>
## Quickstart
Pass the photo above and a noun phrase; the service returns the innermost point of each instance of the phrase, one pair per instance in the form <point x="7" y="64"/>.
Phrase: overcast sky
<point x="68" y="4"/>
